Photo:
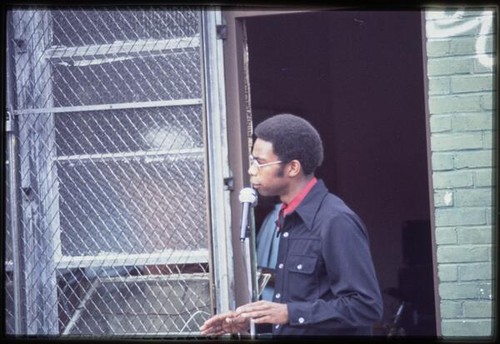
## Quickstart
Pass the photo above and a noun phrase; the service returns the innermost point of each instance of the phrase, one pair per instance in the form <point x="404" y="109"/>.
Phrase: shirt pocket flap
<point x="302" y="264"/>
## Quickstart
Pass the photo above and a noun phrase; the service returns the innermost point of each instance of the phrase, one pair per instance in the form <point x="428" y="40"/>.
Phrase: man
<point x="325" y="282"/>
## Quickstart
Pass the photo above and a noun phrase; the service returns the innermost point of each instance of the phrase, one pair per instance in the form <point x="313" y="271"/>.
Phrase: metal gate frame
<point x="222" y="295"/>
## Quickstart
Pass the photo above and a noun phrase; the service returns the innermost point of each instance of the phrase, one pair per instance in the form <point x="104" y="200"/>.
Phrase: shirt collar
<point x="308" y="208"/>
<point x="294" y="203"/>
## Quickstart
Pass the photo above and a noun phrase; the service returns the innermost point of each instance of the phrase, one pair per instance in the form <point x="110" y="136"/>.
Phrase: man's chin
<point x="263" y="193"/>
<point x="257" y="188"/>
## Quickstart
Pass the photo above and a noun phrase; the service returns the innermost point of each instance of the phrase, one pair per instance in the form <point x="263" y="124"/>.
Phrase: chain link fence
<point x="107" y="218"/>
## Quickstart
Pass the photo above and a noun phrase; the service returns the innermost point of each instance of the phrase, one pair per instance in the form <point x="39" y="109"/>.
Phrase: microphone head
<point x="248" y="195"/>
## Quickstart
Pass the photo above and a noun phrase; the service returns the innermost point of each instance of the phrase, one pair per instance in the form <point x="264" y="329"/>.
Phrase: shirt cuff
<point x="299" y="313"/>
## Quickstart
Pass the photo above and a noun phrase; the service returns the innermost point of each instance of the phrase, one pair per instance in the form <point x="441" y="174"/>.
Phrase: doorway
<point x="358" y="77"/>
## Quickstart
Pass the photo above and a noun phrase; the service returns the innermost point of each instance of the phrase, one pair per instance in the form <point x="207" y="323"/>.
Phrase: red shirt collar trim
<point x="294" y="203"/>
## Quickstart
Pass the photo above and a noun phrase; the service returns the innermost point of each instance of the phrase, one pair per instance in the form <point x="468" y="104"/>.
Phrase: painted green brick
<point x="473" y="197"/>
<point x="463" y="253"/>
<point x="487" y="102"/>
<point x="451" y="309"/>
<point x="442" y="161"/>
<point x="449" y="66"/>
<point x="475" y="271"/>
<point x="446" y="235"/>
<point x="484" y="177"/>
<point x="460" y="216"/>
<point x="438" y="48"/>
<point x="467" y="328"/>
<point x="472" y="121"/>
<point x="443" y="198"/>
<point x="475" y="235"/>
<point x="474" y="159"/>
<point x="479" y="68"/>
<point x="461" y="141"/>
<point x="456" y="104"/>
<point x="485" y="291"/>
<point x="490" y="215"/>
<point x="478" y="309"/>
<point x="463" y="46"/>
<point x="439" y="86"/>
<point x="467" y="46"/>
<point x="458" y="291"/>
<point x="441" y="123"/>
<point x="471" y="83"/>
<point x="452" y="179"/>
<point x="447" y="272"/>
<point x="489" y="140"/>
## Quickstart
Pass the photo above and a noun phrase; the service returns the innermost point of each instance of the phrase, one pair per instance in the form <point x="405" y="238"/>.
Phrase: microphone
<point x="248" y="197"/>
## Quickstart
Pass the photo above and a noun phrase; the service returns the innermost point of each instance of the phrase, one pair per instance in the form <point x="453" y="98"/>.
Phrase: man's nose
<point x="252" y="170"/>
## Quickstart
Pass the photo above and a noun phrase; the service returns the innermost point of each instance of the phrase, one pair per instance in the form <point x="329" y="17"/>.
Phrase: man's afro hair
<point x="293" y="138"/>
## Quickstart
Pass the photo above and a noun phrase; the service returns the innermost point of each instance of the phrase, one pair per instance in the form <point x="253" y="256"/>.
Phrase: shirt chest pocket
<point x="302" y="278"/>
<point x="302" y="264"/>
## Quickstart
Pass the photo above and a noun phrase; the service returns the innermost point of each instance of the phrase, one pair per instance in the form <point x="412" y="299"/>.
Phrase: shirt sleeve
<point x="351" y="277"/>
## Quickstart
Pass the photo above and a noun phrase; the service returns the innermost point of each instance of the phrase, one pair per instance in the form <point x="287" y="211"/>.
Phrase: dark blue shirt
<point x="324" y="270"/>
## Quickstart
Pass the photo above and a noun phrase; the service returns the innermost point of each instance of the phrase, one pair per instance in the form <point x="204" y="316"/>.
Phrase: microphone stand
<point x="251" y="267"/>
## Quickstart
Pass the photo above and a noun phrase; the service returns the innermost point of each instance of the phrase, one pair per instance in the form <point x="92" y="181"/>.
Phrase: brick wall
<point x="461" y="79"/>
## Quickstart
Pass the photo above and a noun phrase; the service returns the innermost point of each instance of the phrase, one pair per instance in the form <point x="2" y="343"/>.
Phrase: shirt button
<point x="278" y="295"/>
<point x="280" y="266"/>
<point x="301" y="320"/>
<point x="299" y="267"/>
<point x="277" y="326"/>
<point x="285" y="235"/>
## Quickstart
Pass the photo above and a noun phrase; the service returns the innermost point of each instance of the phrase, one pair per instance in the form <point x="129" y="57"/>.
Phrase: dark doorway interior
<point x="358" y="77"/>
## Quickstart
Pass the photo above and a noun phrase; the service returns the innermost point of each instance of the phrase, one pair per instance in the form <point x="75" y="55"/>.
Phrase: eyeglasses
<point x="254" y="162"/>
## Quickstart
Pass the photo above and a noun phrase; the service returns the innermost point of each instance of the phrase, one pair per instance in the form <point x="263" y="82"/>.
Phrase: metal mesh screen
<point x="111" y="235"/>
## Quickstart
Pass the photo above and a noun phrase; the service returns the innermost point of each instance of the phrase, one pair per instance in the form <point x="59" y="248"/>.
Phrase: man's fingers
<point x="220" y="324"/>
<point x="264" y="312"/>
<point x="214" y="326"/>
<point x="266" y="319"/>
<point x="213" y="331"/>
<point x="236" y="320"/>
<point x="256" y="306"/>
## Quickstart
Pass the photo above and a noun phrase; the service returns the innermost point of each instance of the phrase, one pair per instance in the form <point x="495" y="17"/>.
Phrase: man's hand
<point x="264" y="312"/>
<point x="238" y="321"/>
<point x="228" y="322"/>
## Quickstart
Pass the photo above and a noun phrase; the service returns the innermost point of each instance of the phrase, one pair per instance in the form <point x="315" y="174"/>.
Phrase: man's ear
<point x="294" y="168"/>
